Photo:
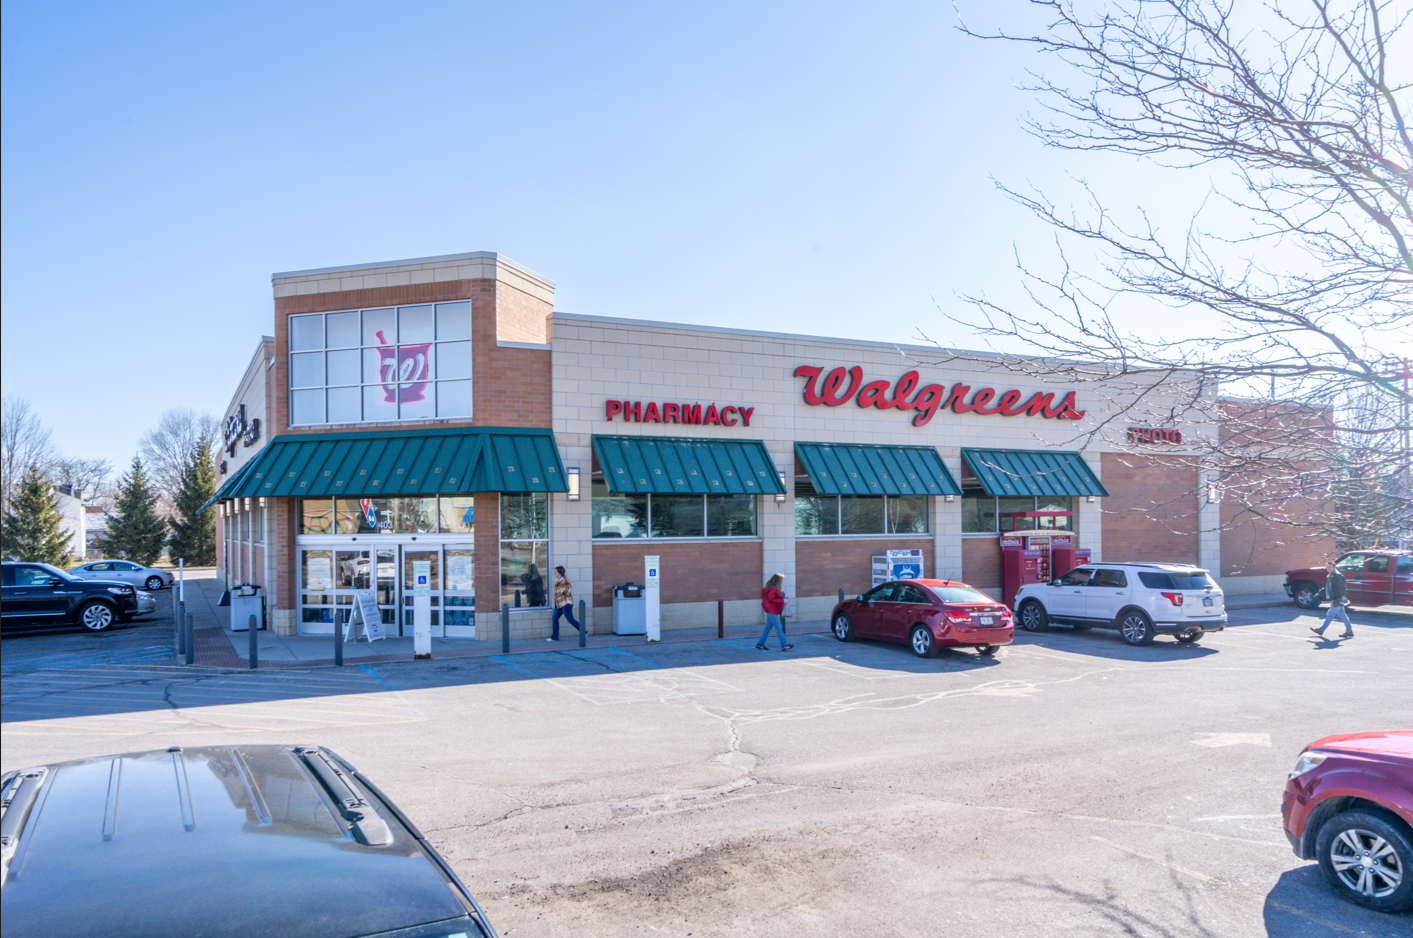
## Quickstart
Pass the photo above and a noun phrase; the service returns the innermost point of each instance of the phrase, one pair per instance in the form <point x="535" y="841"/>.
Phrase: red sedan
<point x="926" y="615"/>
<point x="1349" y="804"/>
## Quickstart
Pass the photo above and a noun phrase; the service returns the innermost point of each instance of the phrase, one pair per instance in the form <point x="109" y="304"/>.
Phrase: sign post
<point x="421" y="609"/>
<point x="651" y="581"/>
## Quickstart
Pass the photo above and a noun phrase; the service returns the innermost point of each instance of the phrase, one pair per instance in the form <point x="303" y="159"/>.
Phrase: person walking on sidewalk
<point x="772" y="600"/>
<point x="563" y="603"/>
<point x="1334" y="592"/>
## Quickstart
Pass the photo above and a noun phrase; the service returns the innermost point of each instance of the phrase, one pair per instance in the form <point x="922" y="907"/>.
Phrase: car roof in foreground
<point x="1397" y="743"/>
<point x="214" y="841"/>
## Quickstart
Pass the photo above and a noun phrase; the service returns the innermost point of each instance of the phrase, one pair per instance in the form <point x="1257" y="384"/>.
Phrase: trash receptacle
<point x="246" y="602"/>
<point x="630" y="612"/>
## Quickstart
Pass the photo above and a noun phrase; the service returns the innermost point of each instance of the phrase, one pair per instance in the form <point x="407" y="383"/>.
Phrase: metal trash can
<point x="246" y="602"/>
<point x="630" y="610"/>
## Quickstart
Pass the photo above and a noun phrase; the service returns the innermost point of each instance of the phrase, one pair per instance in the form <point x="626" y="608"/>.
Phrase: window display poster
<point x="318" y="574"/>
<point x="460" y="572"/>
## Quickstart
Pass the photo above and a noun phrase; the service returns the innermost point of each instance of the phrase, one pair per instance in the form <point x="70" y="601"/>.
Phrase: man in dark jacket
<point x="1334" y="592"/>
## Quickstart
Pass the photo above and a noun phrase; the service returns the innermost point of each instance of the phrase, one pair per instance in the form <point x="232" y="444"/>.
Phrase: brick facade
<point x="1151" y="512"/>
<point x="981" y="562"/>
<point x="691" y="572"/>
<point x="823" y="566"/>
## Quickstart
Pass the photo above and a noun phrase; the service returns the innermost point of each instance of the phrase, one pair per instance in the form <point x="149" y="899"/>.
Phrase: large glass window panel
<point x="342" y="330"/>
<point x="354" y="570"/>
<point x="731" y="515"/>
<point x="344" y="405"/>
<point x="306" y="406"/>
<point x="907" y="514"/>
<point x="522" y="573"/>
<point x="617" y="515"/>
<point x="453" y="321"/>
<point x="306" y="370"/>
<point x="524" y="516"/>
<point x="415" y="324"/>
<point x="306" y="333"/>
<point x="459" y="585"/>
<point x="816" y="514"/>
<point x="677" y="516"/>
<point x="453" y="398"/>
<point x="257" y="524"/>
<point x="418" y="401"/>
<point x="1054" y="503"/>
<point x="860" y="514"/>
<point x="453" y="360"/>
<point x="377" y="321"/>
<point x="343" y="367"/>
<point x="978" y="513"/>
<point x="375" y="404"/>
<point x="1007" y="507"/>
<point x="458" y="514"/>
<point x="317" y="570"/>
<point x="416" y="515"/>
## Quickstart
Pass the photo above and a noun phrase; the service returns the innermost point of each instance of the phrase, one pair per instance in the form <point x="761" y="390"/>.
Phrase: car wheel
<point x="1136" y="627"/>
<point x="843" y="628"/>
<point x="96" y="617"/>
<point x="1366" y="859"/>
<point x="154" y="583"/>
<point x="1189" y="638"/>
<point x="1033" y="617"/>
<point x="987" y="650"/>
<point x="924" y="645"/>
<point x="1307" y="595"/>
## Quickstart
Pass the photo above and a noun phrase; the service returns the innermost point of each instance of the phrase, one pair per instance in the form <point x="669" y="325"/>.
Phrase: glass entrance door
<point x="329" y="578"/>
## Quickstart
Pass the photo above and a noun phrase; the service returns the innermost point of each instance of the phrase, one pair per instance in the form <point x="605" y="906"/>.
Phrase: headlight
<point x="120" y="590"/>
<point x="1306" y="762"/>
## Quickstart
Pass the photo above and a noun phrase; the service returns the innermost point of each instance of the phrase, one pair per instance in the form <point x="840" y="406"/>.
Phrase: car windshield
<point x="961" y="594"/>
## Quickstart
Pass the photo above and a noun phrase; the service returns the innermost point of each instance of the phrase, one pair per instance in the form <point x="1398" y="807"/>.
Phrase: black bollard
<point x="721" y="618"/>
<point x="338" y="640"/>
<point x="583" y="625"/>
<point x="190" y="639"/>
<point x="841" y="595"/>
<point x="254" y="644"/>
<point x="505" y="628"/>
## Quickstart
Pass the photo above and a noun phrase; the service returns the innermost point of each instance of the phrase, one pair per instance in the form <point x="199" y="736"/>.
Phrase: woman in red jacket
<point x="772" y="600"/>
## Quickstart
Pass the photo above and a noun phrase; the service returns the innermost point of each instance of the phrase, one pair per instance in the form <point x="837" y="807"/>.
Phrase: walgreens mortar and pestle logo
<point x="402" y="369"/>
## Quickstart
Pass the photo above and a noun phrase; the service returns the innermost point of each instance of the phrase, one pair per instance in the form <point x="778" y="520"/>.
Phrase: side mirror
<point x="53" y="581"/>
<point x="861" y="599"/>
<point x="1054" y="582"/>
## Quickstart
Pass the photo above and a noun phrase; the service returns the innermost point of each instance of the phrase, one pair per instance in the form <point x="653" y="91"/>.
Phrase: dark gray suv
<point x="252" y="841"/>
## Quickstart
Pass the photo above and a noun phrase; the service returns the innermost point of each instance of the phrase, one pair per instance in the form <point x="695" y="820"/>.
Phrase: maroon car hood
<point x="1395" y="743"/>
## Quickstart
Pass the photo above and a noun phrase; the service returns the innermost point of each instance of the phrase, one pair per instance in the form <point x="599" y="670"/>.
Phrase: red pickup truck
<point x="1372" y="578"/>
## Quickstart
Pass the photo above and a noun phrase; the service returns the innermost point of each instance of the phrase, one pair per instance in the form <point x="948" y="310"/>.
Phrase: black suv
<point x="249" y="841"/>
<point x="39" y="594"/>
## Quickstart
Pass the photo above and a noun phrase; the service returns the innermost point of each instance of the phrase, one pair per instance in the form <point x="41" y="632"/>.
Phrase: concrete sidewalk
<point x="217" y="646"/>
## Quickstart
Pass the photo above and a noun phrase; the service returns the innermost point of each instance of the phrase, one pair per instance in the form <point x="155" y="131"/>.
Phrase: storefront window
<point x="618" y="515"/>
<point x="257" y="522"/>
<point x="831" y="515"/>
<point x="316" y="516"/>
<point x="403" y="363"/>
<point x="986" y="514"/>
<point x="524" y="551"/>
<point x="524" y="517"/>
<point x="731" y="516"/>
<point x="677" y="516"/>
<point x="632" y="515"/>
<point x="387" y="515"/>
<point x="458" y="514"/>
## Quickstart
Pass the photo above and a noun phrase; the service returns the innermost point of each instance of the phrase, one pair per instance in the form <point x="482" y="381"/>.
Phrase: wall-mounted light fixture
<point x="573" y="493"/>
<point x="1090" y="498"/>
<point x="948" y="498"/>
<point x="780" y="496"/>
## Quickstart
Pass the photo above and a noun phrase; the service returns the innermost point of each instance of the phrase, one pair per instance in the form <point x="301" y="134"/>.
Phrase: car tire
<point x="1367" y="860"/>
<point x="1033" y="617"/>
<point x="1307" y="595"/>
<point x="843" y="628"/>
<point x="922" y="642"/>
<point x="1135" y="627"/>
<point x="986" y="650"/>
<point x="96" y="616"/>
<point x="153" y="584"/>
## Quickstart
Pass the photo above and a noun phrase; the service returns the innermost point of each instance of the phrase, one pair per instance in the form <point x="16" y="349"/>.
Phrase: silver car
<point x="124" y="571"/>
<point x="146" y="603"/>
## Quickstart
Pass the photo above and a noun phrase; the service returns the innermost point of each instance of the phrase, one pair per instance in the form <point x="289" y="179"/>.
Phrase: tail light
<point x="958" y="618"/>
<point x="1174" y="598"/>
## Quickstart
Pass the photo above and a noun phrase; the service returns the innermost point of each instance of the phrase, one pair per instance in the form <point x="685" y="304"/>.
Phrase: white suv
<point x="1138" y="599"/>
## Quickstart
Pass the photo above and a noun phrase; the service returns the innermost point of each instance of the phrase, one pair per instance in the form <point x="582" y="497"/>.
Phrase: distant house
<point x="96" y="525"/>
<point x="75" y="520"/>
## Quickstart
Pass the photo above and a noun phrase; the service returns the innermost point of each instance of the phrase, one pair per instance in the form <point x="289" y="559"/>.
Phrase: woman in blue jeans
<point x="772" y="600"/>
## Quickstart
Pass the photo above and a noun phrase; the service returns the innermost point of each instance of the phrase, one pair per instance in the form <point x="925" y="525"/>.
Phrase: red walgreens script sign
<point x="831" y="392"/>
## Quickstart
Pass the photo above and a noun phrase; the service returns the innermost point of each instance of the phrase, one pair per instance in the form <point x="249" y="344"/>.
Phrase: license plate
<point x="1206" y="600"/>
<point x="984" y="620"/>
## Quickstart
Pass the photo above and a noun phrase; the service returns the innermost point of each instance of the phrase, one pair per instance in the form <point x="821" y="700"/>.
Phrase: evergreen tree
<point x="31" y="528"/>
<point x="135" y="532"/>
<point x="194" y="530"/>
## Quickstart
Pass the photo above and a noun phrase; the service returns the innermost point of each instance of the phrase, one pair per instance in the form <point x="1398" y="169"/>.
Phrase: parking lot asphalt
<point x="1073" y="785"/>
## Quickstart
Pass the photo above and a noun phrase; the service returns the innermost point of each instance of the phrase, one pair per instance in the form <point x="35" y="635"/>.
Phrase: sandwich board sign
<point x="366" y="623"/>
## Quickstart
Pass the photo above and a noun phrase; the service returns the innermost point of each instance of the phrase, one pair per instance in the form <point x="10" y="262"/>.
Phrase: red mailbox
<point x="1019" y="565"/>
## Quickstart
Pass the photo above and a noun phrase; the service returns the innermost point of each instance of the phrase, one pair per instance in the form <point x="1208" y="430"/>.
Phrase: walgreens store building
<point x="439" y="409"/>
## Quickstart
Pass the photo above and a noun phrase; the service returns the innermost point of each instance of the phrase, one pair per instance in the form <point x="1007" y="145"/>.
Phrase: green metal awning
<point x="1032" y="472"/>
<point x="228" y="486"/>
<point x="672" y="465"/>
<point x="401" y="462"/>
<point x="851" y="469"/>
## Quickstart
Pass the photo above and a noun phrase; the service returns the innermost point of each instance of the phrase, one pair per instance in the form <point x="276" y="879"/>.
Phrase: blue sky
<point x="811" y="168"/>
